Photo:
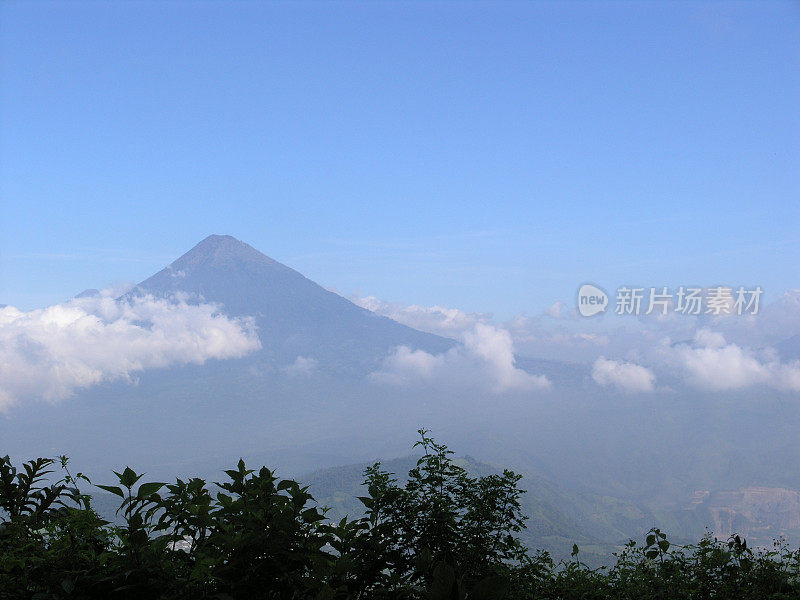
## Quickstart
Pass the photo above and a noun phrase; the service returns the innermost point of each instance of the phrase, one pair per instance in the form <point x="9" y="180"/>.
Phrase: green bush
<point x="442" y="535"/>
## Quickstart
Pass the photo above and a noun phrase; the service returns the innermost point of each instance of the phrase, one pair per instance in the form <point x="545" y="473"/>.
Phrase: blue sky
<point x="489" y="156"/>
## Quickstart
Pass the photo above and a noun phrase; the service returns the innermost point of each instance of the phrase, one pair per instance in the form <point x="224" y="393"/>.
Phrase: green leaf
<point x="113" y="489"/>
<point x="128" y="477"/>
<point x="311" y="515"/>
<point x="148" y="489"/>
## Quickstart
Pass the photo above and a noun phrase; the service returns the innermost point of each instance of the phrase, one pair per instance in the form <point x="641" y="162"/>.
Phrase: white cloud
<point x="302" y="366"/>
<point x="495" y="347"/>
<point x="625" y="376"/>
<point x="722" y="368"/>
<point x="712" y="363"/>
<point x="709" y="339"/>
<point x="48" y="353"/>
<point x="485" y="359"/>
<point x="448" y="322"/>
<point x="559" y="310"/>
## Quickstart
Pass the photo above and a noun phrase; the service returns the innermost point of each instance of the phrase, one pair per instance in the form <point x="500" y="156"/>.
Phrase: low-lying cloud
<point x="447" y="322"/>
<point x="711" y="363"/>
<point x="485" y="359"/>
<point x="624" y="376"/>
<point x="48" y="353"/>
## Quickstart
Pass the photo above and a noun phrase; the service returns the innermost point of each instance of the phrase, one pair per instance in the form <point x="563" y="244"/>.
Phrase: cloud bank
<point x="46" y="354"/>
<point x="724" y="353"/>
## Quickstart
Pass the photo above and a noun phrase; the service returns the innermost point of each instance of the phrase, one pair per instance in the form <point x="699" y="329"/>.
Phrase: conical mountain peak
<point x="221" y="250"/>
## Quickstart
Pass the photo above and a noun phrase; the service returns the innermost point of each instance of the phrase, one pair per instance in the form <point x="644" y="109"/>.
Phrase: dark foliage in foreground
<point x="443" y="535"/>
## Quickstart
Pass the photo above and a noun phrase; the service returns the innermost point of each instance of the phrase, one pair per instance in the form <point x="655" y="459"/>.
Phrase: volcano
<point x="295" y="317"/>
